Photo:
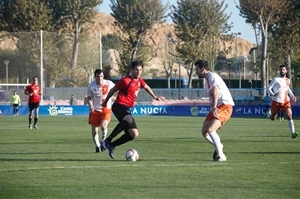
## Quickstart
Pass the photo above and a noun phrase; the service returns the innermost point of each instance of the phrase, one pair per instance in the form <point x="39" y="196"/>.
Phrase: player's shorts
<point x="15" y="105"/>
<point x="276" y="106"/>
<point x="223" y="115"/>
<point x="120" y="111"/>
<point x="33" y="105"/>
<point x="96" y="117"/>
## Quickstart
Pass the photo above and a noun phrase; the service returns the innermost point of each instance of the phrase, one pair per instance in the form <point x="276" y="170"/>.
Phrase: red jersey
<point x="128" y="90"/>
<point x="35" y="90"/>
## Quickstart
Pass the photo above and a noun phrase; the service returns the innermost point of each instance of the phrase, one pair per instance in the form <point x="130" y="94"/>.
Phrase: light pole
<point x="6" y="62"/>
<point x="229" y="66"/>
<point x="175" y="71"/>
<point x="255" y="71"/>
<point x="250" y="81"/>
<point x="236" y="64"/>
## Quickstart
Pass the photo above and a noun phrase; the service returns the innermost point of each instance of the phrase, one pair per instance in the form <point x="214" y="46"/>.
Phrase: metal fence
<point x="62" y="95"/>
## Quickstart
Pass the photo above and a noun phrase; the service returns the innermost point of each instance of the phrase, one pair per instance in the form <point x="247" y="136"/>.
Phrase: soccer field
<point x="59" y="161"/>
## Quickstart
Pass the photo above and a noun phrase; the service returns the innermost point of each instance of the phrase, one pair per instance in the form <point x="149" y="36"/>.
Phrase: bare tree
<point x="266" y="13"/>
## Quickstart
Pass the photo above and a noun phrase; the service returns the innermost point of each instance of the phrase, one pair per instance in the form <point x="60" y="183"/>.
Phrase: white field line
<point x="143" y="165"/>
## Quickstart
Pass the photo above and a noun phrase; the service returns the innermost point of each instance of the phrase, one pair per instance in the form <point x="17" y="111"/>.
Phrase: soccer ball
<point x="132" y="155"/>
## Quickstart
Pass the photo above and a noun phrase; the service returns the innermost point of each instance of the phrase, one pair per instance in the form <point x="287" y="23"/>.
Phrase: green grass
<point x="58" y="160"/>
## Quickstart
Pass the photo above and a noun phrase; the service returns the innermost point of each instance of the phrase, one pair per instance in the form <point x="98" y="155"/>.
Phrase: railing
<point x="64" y="94"/>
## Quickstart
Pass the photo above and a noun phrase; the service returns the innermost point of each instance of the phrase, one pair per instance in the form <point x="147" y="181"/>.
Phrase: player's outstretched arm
<point x="149" y="90"/>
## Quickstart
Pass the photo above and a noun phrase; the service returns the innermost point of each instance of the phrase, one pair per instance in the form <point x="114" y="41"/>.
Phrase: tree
<point x="71" y="16"/>
<point x="111" y="41"/>
<point x="195" y="21"/>
<point x="135" y="18"/>
<point x="25" y="15"/>
<point x="266" y="13"/>
<point x="68" y="16"/>
<point x="286" y="33"/>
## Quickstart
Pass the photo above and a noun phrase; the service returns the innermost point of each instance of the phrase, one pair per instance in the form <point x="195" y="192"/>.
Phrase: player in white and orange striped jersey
<point x="221" y="106"/>
<point x="281" y="94"/>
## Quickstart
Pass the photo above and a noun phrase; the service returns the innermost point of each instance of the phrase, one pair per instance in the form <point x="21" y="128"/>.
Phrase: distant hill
<point x="156" y="38"/>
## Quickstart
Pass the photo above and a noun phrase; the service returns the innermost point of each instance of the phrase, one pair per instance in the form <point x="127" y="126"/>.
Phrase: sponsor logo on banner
<point x="54" y="110"/>
<point x="195" y="110"/>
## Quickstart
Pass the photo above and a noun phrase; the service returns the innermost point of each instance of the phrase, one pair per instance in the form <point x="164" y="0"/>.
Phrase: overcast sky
<point x="239" y="24"/>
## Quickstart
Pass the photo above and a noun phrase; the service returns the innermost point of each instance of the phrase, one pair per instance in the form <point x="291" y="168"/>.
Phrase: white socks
<point x="216" y="142"/>
<point x="104" y="133"/>
<point x="208" y="138"/>
<point x="96" y="140"/>
<point x="291" y="126"/>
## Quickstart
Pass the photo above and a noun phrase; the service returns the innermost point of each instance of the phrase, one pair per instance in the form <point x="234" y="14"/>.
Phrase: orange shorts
<point x="96" y="117"/>
<point x="276" y="106"/>
<point x="223" y="115"/>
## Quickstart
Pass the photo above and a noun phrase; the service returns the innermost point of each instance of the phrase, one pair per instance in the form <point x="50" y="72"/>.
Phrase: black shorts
<point x="120" y="111"/>
<point x="15" y="105"/>
<point x="33" y="106"/>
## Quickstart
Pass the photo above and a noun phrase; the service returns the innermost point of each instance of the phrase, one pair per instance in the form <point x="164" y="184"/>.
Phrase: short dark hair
<point x="283" y="65"/>
<point x="136" y="63"/>
<point x="97" y="72"/>
<point x="202" y="64"/>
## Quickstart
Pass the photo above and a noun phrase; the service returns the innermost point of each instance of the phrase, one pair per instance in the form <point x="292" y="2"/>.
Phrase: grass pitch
<point x="59" y="161"/>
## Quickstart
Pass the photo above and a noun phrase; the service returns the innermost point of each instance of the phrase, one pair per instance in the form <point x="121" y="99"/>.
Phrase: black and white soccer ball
<point x="132" y="155"/>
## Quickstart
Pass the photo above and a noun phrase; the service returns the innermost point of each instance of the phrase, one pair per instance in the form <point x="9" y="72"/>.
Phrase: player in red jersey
<point x="33" y="90"/>
<point x="128" y="87"/>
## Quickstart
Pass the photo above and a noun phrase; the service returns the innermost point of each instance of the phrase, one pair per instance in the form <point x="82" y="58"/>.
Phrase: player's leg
<point x="205" y="131"/>
<point x="288" y="113"/>
<point x="17" y="109"/>
<point x="94" y="121"/>
<point x="206" y="135"/>
<point x="275" y="108"/>
<point x="124" y="117"/>
<point x="120" y="113"/>
<point x="14" y="109"/>
<point x="95" y="137"/>
<point x="130" y="133"/>
<point x="105" y="122"/>
<point x="214" y="125"/>
<point x="31" y="107"/>
<point x="36" y="116"/>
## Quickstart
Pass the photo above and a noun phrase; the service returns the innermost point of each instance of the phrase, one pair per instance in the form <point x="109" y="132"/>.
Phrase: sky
<point x="239" y="24"/>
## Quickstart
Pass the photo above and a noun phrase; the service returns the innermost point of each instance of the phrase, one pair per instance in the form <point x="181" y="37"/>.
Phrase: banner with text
<point x="139" y="110"/>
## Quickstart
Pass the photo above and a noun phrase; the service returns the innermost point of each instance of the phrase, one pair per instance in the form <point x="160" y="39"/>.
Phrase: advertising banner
<point x="144" y="110"/>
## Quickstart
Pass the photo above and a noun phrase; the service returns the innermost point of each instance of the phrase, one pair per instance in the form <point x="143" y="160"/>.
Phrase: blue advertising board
<point x="142" y="110"/>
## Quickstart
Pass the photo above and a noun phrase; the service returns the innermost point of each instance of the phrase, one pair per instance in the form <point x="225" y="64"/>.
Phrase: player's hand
<point x="160" y="98"/>
<point x="215" y="111"/>
<point x="294" y="99"/>
<point x="92" y="109"/>
<point x="30" y="94"/>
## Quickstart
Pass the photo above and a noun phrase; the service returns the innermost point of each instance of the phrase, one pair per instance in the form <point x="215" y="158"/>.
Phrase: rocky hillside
<point x="157" y="39"/>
